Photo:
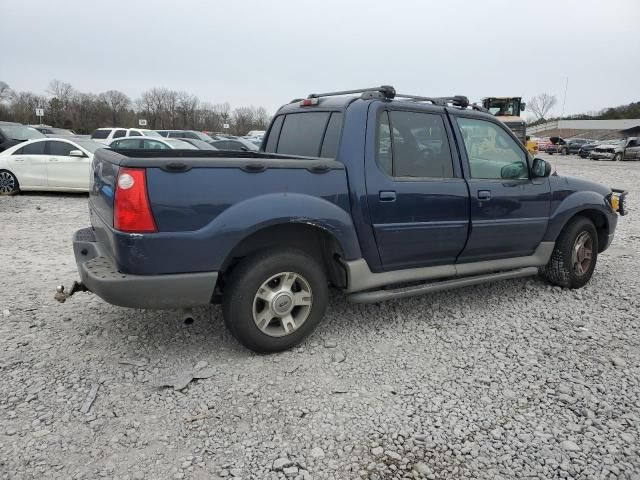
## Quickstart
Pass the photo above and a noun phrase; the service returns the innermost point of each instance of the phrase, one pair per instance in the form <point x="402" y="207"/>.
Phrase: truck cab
<point x="507" y="110"/>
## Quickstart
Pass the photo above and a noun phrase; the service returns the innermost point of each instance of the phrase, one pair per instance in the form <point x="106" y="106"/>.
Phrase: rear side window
<point x="119" y="133"/>
<point x="60" y="148"/>
<point x="302" y="133"/>
<point x="100" y="134"/>
<point x="133" y="133"/>
<point x="413" y="144"/>
<point x="36" y="148"/>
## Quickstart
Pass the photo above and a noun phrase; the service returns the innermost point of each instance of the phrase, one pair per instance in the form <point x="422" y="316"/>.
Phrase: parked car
<point x="237" y="144"/>
<point x="575" y="144"/>
<point x="335" y="200"/>
<point x="556" y="145"/>
<point x="106" y="135"/>
<point x="14" y="133"/>
<point x="146" y="143"/>
<point x="586" y="149"/>
<point x="256" y="133"/>
<point x="543" y="143"/>
<point x="47" y="130"/>
<point x="185" y="134"/>
<point x="48" y="164"/>
<point x="199" y="144"/>
<point x="625" y="149"/>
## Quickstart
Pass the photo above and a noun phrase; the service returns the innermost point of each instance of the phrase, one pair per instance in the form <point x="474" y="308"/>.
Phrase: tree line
<point x="162" y="108"/>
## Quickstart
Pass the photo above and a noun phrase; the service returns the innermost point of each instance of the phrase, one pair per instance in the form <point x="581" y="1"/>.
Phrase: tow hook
<point x="62" y="296"/>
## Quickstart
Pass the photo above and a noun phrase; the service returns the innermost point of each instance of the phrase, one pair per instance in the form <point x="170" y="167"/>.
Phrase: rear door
<point x="418" y="201"/>
<point x="64" y="170"/>
<point x="632" y="151"/>
<point x="509" y="210"/>
<point x="29" y="164"/>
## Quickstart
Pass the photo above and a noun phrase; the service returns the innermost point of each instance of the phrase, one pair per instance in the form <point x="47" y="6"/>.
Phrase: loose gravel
<point x="516" y="379"/>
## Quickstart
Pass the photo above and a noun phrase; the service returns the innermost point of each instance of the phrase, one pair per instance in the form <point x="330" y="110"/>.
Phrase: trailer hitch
<point x="62" y="296"/>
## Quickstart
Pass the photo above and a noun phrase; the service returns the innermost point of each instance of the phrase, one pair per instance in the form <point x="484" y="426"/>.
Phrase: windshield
<point x="90" y="145"/>
<point x="151" y="133"/>
<point x="20" y="132"/>
<point x="179" y="144"/>
<point x="504" y="107"/>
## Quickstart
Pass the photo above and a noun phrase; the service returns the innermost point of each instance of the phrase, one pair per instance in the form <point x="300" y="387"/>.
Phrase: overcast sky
<point x="269" y="52"/>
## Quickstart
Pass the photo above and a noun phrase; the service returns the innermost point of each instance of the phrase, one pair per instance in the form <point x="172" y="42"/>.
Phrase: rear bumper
<point x="100" y="275"/>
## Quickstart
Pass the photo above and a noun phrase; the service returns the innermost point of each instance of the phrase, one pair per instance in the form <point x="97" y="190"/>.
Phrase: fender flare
<point x="571" y="206"/>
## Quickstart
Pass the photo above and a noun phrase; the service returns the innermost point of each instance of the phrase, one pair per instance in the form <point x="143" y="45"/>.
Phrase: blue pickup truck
<point x="378" y="194"/>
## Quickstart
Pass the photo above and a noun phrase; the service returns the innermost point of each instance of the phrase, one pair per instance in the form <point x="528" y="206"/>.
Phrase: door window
<point x="418" y="148"/>
<point x="124" y="144"/>
<point x="101" y="134"/>
<point x="133" y="133"/>
<point x="492" y="153"/>
<point x="119" y="133"/>
<point x="60" y="148"/>
<point x="36" y="148"/>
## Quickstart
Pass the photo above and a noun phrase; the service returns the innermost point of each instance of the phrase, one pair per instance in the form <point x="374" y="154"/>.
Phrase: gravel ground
<point x="511" y="380"/>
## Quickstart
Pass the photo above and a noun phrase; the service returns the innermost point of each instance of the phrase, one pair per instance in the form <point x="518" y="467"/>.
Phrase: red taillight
<point x="131" y="210"/>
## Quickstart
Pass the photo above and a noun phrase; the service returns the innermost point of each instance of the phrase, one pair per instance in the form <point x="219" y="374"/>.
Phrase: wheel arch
<point x="599" y="220"/>
<point x="313" y="239"/>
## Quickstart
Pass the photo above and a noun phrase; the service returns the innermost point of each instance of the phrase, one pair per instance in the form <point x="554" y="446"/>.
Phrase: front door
<point x="509" y="210"/>
<point x="418" y="201"/>
<point x="64" y="170"/>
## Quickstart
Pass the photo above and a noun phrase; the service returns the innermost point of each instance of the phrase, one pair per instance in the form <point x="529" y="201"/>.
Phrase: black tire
<point x="565" y="151"/>
<point x="241" y="290"/>
<point x="617" y="157"/>
<point x="8" y="183"/>
<point x="561" y="269"/>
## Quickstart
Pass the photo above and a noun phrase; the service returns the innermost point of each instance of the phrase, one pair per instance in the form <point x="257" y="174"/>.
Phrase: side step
<point x="392" y="294"/>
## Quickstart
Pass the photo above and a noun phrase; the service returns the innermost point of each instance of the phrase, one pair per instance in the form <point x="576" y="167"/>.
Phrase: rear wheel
<point x="565" y="151"/>
<point x="8" y="183"/>
<point x="574" y="255"/>
<point x="617" y="157"/>
<point x="274" y="299"/>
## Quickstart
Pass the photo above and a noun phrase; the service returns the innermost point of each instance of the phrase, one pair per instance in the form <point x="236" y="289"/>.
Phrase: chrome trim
<point x="360" y="277"/>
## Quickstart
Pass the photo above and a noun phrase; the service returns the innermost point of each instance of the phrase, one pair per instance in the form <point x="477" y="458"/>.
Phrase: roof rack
<point x="388" y="92"/>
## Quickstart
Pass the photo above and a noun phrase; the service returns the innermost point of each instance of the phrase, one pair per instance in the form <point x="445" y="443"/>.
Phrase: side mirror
<point x="76" y="153"/>
<point x="540" y="168"/>
<point x="522" y="106"/>
<point x="513" y="170"/>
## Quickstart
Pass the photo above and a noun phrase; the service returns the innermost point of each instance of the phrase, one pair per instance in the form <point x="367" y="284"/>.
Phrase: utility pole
<point x="564" y="99"/>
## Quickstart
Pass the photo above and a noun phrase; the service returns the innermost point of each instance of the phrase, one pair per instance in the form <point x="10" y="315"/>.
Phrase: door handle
<point x="484" y="195"/>
<point x="387" y="196"/>
<point x="18" y="160"/>
<point x="53" y="159"/>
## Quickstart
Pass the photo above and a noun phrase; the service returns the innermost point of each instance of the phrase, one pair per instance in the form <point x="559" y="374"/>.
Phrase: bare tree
<point x="5" y="91"/>
<point x="541" y="104"/>
<point x="116" y="102"/>
<point x="187" y="106"/>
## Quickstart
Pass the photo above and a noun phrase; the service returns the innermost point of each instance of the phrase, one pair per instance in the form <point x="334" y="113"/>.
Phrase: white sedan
<point x="60" y="164"/>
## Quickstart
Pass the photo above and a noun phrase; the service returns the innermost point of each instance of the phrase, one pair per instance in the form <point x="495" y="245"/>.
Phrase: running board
<point x="411" y="291"/>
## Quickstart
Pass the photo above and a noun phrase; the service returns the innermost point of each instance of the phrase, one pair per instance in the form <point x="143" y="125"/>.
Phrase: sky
<point x="251" y="52"/>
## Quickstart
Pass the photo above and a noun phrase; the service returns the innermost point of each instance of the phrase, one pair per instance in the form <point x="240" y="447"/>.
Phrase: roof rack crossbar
<point x="457" y="100"/>
<point x="387" y="90"/>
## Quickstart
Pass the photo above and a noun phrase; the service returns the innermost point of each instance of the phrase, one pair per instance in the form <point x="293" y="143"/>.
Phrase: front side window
<point x="133" y="133"/>
<point x="35" y="148"/>
<point x="119" y="133"/>
<point x="60" y="148"/>
<point x="492" y="153"/>
<point x="418" y="147"/>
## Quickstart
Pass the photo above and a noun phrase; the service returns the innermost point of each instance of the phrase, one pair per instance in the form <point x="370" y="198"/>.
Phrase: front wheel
<point x="8" y="183"/>
<point x="617" y="157"/>
<point x="574" y="256"/>
<point x="565" y="151"/>
<point x="274" y="299"/>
